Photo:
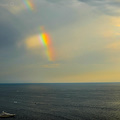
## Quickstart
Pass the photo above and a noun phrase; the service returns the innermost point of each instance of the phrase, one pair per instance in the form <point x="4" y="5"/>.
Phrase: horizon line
<point x="63" y="83"/>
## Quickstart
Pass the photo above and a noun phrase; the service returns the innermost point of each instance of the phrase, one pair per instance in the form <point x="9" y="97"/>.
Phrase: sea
<point x="61" y="101"/>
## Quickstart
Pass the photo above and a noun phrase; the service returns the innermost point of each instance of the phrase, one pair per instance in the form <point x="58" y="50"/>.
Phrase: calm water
<point x="61" y="101"/>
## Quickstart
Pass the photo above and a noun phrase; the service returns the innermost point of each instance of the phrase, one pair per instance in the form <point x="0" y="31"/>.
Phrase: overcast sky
<point x="85" y="36"/>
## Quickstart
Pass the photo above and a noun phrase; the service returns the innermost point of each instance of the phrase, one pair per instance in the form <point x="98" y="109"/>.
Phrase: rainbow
<point x="45" y="41"/>
<point x="28" y="4"/>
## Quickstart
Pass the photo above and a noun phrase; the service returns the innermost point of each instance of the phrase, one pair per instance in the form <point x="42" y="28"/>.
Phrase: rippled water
<point x="61" y="101"/>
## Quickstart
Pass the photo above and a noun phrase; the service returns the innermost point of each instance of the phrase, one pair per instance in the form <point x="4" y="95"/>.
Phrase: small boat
<point x="6" y="115"/>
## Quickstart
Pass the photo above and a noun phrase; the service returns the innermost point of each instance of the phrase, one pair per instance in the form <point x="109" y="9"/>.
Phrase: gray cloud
<point x="108" y="7"/>
<point x="11" y="32"/>
<point x="8" y="34"/>
<point x="9" y="29"/>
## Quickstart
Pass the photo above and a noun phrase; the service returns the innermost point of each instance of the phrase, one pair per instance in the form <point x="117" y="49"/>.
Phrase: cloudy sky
<point x="85" y="38"/>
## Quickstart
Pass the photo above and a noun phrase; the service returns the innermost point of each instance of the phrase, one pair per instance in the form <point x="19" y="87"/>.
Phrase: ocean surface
<point x="78" y="101"/>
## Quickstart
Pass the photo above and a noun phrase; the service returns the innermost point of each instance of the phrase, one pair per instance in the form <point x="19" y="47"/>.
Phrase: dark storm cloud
<point x="9" y="29"/>
<point x="8" y="34"/>
<point x="109" y="7"/>
<point x="12" y="32"/>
